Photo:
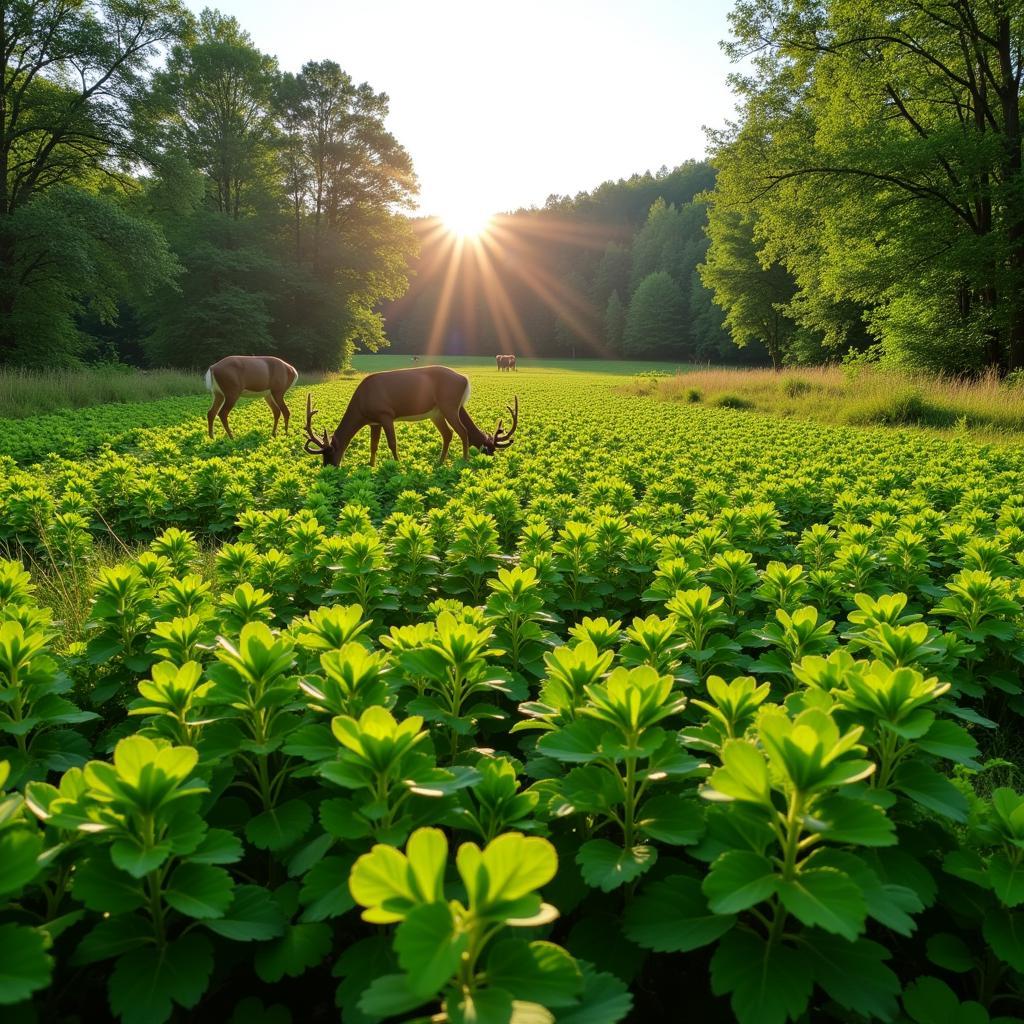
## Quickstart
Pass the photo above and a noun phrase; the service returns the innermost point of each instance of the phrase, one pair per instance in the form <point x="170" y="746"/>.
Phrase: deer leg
<point x="229" y="404"/>
<point x="279" y="408"/>
<point x="374" y="441"/>
<point x="218" y="401"/>
<point x="274" y="409"/>
<point x="455" y="422"/>
<point x="389" y="433"/>
<point x="446" y="435"/>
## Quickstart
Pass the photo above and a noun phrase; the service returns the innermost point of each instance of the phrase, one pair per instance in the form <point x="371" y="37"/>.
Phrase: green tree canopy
<point x="657" y="317"/>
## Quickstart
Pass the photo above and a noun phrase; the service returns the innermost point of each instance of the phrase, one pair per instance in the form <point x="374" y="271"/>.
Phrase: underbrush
<point x="862" y="397"/>
<point x="26" y="393"/>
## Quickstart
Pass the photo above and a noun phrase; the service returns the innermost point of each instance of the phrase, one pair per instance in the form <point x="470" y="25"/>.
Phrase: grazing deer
<point x="506" y="362"/>
<point x="234" y="376"/>
<point x="416" y="393"/>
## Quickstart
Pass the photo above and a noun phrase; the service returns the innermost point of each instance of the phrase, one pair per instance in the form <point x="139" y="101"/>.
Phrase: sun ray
<point x="444" y="302"/>
<point x="506" y="319"/>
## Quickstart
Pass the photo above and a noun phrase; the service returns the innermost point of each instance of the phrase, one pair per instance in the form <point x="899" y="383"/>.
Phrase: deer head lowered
<point x="418" y="393"/>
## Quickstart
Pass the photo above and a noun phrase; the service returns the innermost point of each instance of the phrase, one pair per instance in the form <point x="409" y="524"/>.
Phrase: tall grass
<point x="32" y="392"/>
<point x="866" y="396"/>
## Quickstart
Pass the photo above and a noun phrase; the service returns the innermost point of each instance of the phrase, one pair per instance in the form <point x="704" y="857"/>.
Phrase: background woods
<point x="170" y="211"/>
<point x="168" y="195"/>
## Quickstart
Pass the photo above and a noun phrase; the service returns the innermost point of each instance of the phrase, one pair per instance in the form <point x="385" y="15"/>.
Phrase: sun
<point x="466" y="221"/>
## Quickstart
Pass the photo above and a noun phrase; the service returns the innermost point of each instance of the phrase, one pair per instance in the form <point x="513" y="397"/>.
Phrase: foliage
<point x="418" y="739"/>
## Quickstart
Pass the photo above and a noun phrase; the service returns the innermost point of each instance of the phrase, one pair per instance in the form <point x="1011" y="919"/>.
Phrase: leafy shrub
<point x="729" y="400"/>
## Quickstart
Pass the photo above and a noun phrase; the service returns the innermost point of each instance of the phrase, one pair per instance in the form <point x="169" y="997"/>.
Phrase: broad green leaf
<point x="852" y="821"/>
<point x="380" y="881"/>
<point x="339" y="817"/>
<point x="854" y="974"/>
<point x="606" y="866"/>
<point x="136" y="858"/>
<point x="253" y="915"/>
<point x="766" y="984"/>
<point x="302" y="946"/>
<point x="516" y="865"/>
<point x="927" y="787"/>
<point x="485" y="1006"/>
<point x="199" y="890"/>
<point x="1004" y="932"/>
<point x="605" y="999"/>
<point x="427" y="853"/>
<point x="279" y="827"/>
<point x="931" y="1001"/>
<point x="219" y="846"/>
<point x="19" y="852"/>
<point x="575" y="743"/>
<point x="538" y="972"/>
<point x="738" y="880"/>
<point x="950" y="952"/>
<point x="951" y="741"/>
<point x="743" y="775"/>
<point x="389" y="996"/>
<point x="146" y="982"/>
<point x="25" y="966"/>
<point x="825" y="898"/>
<point x="428" y="947"/>
<point x="101" y="886"/>
<point x="669" y="818"/>
<point x="112" y="937"/>
<point x="1007" y="879"/>
<point x="325" y="891"/>
<point x="672" y="916"/>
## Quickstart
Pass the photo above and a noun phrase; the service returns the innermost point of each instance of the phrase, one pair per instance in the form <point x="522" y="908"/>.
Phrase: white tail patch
<point x="295" y="374"/>
<point x="211" y="382"/>
<point x="469" y="387"/>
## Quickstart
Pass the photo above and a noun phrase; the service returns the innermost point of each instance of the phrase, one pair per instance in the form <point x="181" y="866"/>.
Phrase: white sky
<point x="501" y="104"/>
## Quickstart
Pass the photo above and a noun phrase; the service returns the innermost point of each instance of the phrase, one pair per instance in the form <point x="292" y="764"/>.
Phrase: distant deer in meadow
<point x="234" y="376"/>
<point x="506" y="362"/>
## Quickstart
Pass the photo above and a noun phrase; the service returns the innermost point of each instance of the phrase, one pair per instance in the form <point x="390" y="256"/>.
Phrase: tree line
<point x="611" y="272"/>
<point x="168" y="195"/>
<point x="870" y="196"/>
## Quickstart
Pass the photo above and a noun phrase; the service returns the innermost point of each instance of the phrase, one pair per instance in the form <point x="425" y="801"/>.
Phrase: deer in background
<point x="417" y="393"/>
<point x="506" y="362"/>
<point x="234" y="376"/>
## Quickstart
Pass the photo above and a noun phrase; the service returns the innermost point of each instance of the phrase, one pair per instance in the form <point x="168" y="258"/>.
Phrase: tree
<point x="217" y="92"/>
<point x="614" y="322"/>
<point x="72" y="84"/>
<point x="755" y="297"/>
<point x="656" y="322"/>
<point x="880" y="147"/>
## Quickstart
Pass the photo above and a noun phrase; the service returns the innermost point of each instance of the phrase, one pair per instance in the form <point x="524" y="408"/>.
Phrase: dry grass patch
<point x="862" y="396"/>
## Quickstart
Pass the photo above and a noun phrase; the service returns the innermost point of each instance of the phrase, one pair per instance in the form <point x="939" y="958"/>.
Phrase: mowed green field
<point x="665" y="705"/>
<point x="370" y="363"/>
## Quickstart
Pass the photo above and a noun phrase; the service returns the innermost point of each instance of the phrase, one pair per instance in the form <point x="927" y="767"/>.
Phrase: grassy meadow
<point x="864" y="396"/>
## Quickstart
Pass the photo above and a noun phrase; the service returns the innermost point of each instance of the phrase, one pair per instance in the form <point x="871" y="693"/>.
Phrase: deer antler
<point x="503" y="440"/>
<point x="316" y="444"/>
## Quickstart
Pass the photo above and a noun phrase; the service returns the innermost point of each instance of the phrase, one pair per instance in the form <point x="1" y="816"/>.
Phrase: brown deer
<point x="416" y="393"/>
<point x="234" y="376"/>
<point x="506" y="362"/>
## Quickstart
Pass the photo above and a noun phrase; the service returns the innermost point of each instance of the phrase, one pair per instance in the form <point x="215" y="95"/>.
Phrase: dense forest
<point x="870" y="193"/>
<point x="168" y="195"/>
<point x="612" y="272"/>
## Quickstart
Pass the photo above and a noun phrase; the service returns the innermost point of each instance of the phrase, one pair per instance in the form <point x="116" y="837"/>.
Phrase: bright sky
<point x="501" y="104"/>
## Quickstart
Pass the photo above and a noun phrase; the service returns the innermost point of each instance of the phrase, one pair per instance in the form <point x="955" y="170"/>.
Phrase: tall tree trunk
<point x="1009" y="96"/>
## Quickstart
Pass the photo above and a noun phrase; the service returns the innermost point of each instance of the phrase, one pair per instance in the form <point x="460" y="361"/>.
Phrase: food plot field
<point x="663" y="707"/>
